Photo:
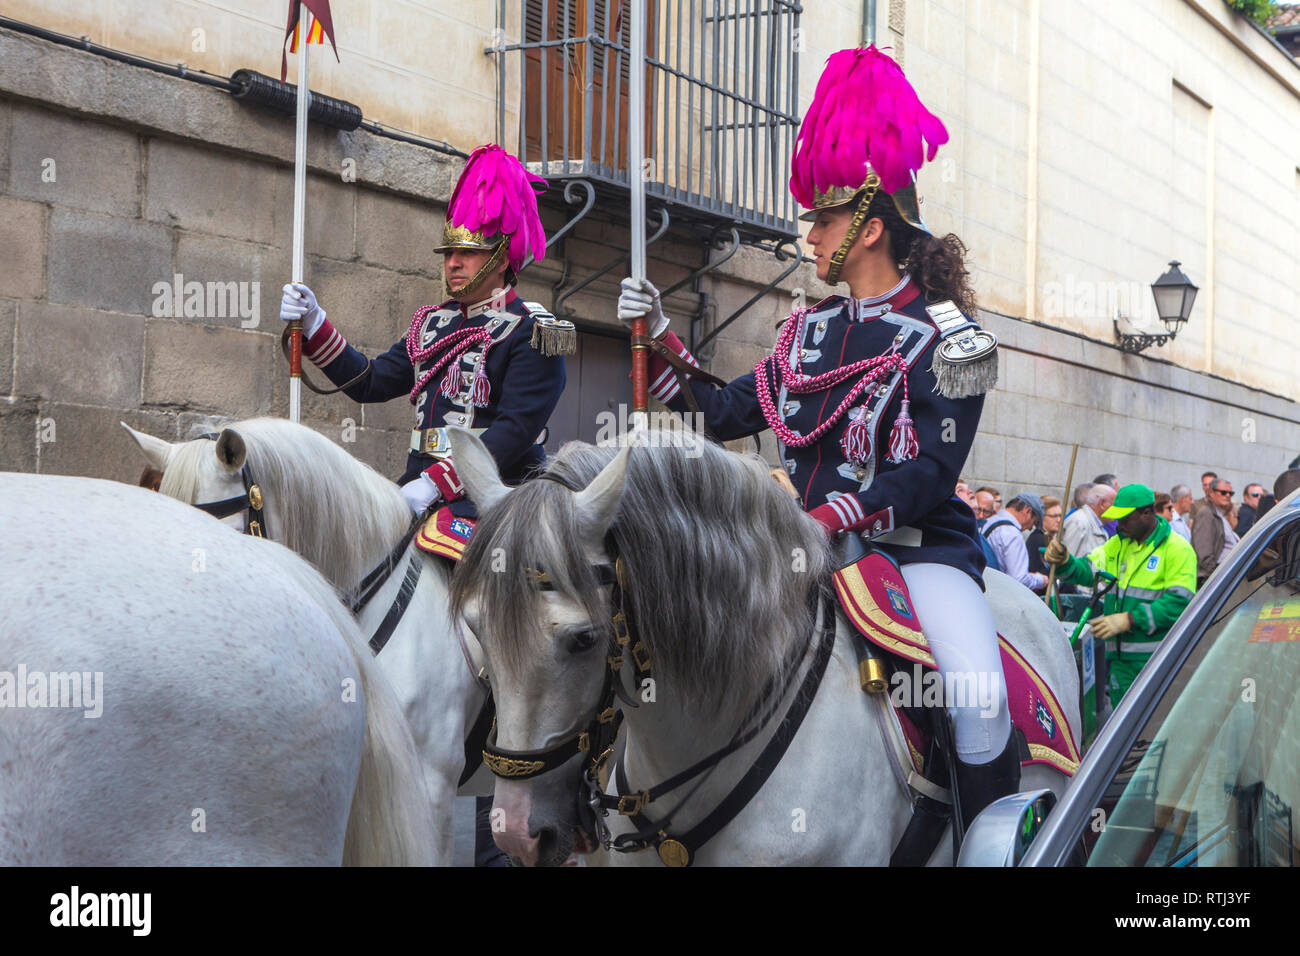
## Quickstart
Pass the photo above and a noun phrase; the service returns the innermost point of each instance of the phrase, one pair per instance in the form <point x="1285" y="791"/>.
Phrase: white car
<point x="1200" y="763"/>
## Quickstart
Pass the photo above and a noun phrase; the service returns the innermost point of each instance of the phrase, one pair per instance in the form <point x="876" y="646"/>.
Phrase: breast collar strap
<point x="681" y="850"/>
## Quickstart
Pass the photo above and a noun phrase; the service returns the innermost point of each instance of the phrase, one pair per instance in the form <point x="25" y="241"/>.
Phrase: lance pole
<point x="299" y="211"/>
<point x="636" y="183"/>
<point x="1050" y="594"/>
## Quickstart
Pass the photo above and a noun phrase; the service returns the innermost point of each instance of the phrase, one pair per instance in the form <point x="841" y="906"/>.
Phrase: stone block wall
<point x="113" y="180"/>
<point x="108" y="216"/>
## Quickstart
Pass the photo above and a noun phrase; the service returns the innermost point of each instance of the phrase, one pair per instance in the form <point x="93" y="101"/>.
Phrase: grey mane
<point x="723" y="563"/>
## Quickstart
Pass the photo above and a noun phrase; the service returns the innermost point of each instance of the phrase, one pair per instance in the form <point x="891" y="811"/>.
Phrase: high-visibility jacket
<point x="1156" y="580"/>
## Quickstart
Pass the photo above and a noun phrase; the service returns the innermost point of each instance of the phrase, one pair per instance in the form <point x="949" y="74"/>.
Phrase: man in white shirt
<point x="1004" y="533"/>
<point x="1083" y="530"/>
<point x="1181" y="500"/>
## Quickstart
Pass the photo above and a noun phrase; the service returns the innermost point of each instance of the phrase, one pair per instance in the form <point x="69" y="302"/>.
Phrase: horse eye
<point x="582" y="640"/>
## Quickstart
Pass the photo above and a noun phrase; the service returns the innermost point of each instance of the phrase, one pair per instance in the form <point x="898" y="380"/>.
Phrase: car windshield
<point x="1214" y="775"/>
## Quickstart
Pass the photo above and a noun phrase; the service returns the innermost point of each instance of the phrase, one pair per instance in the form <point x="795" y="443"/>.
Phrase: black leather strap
<point x="364" y="374"/>
<point x="372" y="582"/>
<point x="398" y="608"/>
<point x="476" y="739"/>
<point x="762" y="768"/>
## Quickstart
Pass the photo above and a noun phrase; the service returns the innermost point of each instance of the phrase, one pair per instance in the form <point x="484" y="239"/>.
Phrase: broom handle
<point x="1050" y="596"/>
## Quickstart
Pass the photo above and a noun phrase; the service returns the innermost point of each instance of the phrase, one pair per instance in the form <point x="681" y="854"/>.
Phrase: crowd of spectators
<point x="1013" y="536"/>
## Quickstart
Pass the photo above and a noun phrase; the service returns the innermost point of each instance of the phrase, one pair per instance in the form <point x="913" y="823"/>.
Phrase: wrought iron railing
<point x="721" y="111"/>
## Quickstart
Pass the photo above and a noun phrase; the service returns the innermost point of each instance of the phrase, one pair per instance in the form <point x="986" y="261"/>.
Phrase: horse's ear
<point x="231" y="450"/>
<point x="598" y="502"/>
<point x="156" y="450"/>
<point x="476" y="468"/>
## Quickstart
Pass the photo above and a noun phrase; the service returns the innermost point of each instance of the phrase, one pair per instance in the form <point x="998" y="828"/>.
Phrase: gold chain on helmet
<point x="866" y="194"/>
<point x="493" y="261"/>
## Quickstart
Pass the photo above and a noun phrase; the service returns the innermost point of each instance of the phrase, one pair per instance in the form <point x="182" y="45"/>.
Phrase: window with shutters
<point x="721" y="103"/>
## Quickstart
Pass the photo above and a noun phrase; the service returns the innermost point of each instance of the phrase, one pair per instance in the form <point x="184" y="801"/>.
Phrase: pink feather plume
<point x="496" y="194"/>
<point x="864" y="111"/>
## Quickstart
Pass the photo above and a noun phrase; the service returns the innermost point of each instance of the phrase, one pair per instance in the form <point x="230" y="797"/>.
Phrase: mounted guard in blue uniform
<point x="875" y="397"/>
<point x="484" y="359"/>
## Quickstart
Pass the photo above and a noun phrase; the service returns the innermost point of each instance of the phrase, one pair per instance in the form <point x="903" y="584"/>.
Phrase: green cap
<point x="1129" y="500"/>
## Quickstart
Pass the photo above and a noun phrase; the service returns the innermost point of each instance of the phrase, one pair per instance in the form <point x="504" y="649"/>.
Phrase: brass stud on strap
<point x="255" y="496"/>
<point x="633" y="803"/>
<point x="621" y="633"/>
<point x="584" y="742"/>
<point x="673" y="853"/>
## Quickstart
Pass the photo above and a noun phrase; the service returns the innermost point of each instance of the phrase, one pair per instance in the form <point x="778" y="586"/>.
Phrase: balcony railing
<point x="721" y="111"/>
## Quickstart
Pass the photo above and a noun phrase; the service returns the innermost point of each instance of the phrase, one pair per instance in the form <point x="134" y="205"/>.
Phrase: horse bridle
<point x="251" y="501"/>
<point x="600" y="729"/>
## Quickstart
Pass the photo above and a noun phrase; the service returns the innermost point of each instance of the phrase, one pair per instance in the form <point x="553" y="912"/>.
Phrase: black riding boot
<point x="978" y="785"/>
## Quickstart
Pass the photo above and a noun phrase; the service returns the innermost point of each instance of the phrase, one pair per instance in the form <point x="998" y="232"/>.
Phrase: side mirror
<point x="1001" y="834"/>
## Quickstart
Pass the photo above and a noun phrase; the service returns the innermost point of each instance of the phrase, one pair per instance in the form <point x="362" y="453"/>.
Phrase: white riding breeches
<point x="957" y="622"/>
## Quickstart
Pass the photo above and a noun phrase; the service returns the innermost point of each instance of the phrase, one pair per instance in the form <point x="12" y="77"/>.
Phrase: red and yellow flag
<point x="315" y="34"/>
<point x="322" y="26"/>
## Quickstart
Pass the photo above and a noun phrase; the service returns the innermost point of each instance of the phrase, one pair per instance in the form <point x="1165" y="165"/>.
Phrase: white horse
<point x="722" y="564"/>
<point x="172" y="692"/>
<point x="345" y="518"/>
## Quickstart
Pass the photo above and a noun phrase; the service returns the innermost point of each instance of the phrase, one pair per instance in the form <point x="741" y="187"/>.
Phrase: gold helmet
<point x="865" y="132"/>
<point x="494" y="209"/>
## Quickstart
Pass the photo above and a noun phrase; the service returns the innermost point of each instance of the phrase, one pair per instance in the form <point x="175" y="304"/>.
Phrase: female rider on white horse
<point x="876" y="398"/>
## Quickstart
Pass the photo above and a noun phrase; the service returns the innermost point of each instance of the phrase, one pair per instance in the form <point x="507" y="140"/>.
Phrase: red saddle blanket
<point x="874" y="597"/>
<point x="444" y="534"/>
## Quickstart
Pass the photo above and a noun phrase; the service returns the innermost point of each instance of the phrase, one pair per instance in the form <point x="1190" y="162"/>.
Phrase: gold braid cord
<point x="510" y="767"/>
<point x="494" y="260"/>
<point x="867" y="194"/>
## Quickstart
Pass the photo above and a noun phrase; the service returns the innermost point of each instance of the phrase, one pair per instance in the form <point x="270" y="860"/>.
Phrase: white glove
<point x="299" y="302"/>
<point x="420" y="493"/>
<point x="639" y="299"/>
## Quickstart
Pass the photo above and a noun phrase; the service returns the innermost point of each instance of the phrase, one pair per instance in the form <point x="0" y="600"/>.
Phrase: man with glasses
<point x="985" y="506"/>
<point x="1214" y="530"/>
<point x="1248" y="513"/>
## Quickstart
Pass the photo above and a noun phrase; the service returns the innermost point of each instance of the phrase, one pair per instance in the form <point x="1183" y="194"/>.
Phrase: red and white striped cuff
<point x="442" y="474"/>
<point x="845" y="513"/>
<point x="663" y="382"/>
<point x="325" y="346"/>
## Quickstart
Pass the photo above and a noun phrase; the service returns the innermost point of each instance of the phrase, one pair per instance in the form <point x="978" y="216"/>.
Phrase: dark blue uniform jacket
<point x="908" y="508"/>
<point x="525" y="384"/>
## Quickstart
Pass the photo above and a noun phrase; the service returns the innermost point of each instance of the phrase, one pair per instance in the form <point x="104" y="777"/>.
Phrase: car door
<point x="1200" y="764"/>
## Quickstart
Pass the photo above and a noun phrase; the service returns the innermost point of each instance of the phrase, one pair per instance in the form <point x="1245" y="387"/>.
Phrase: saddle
<point x="875" y="600"/>
<point x="444" y="534"/>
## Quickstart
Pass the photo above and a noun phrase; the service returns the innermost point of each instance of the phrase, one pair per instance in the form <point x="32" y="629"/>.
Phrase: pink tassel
<point x="903" y="444"/>
<point x="451" y="380"/>
<point x="482" y="390"/>
<point x="856" y="443"/>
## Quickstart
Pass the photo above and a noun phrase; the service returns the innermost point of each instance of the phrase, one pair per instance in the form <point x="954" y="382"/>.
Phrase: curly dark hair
<point x="937" y="264"/>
